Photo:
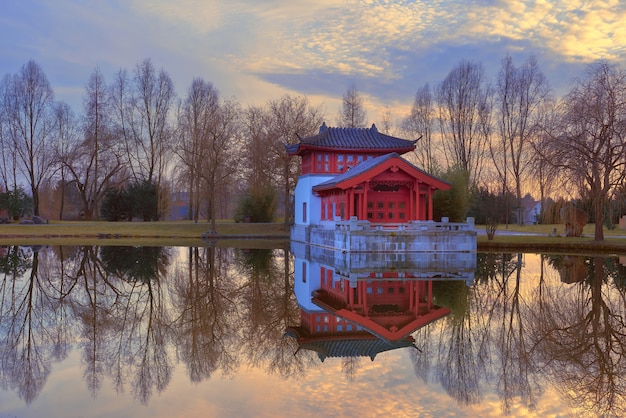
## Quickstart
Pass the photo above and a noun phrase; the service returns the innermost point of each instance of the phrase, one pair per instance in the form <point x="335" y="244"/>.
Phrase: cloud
<point x="385" y="46"/>
<point x="258" y="50"/>
<point x="201" y="16"/>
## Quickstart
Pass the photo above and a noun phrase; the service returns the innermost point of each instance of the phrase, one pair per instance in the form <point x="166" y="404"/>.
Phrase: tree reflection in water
<point x="579" y="337"/>
<point x="27" y="318"/>
<point x="269" y="307"/>
<point x="519" y="337"/>
<point x="206" y="323"/>
<point x="120" y="309"/>
<point x="133" y="312"/>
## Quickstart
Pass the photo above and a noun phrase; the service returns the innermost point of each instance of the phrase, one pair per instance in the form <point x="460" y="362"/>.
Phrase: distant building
<point x="179" y="206"/>
<point x="531" y="210"/>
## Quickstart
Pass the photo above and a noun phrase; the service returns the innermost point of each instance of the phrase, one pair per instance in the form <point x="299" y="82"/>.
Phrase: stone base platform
<point x="356" y="236"/>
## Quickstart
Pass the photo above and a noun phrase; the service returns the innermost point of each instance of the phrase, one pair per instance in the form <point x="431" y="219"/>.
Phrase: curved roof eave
<point x="373" y="166"/>
<point x="299" y="149"/>
<point x="352" y="140"/>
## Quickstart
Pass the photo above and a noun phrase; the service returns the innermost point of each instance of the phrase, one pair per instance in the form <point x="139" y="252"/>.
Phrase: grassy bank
<point x="189" y="233"/>
<point x="542" y="238"/>
<point x="136" y="233"/>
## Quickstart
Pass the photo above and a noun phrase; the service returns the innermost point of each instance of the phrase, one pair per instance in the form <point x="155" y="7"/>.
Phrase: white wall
<point x="303" y="194"/>
<point x="311" y="271"/>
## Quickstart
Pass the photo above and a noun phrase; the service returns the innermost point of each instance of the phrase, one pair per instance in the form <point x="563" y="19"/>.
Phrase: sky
<point x="259" y="50"/>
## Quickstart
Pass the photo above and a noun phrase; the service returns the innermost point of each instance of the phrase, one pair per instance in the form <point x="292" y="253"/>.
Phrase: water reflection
<point x="580" y="336"/>
<point x="517" y="326"/>
<point x="29" y="325"/>
<point x="355" y="305"/>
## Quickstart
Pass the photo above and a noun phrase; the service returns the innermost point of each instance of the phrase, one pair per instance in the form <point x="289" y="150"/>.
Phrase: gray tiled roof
<point x="352" y="139"/>
<point x="347" y="347"/>
<point x="356" y="344"/>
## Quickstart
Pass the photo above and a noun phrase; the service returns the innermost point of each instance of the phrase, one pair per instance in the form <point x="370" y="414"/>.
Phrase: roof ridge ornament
<point x="374" y="128"/>
<point x="323" y="127"/>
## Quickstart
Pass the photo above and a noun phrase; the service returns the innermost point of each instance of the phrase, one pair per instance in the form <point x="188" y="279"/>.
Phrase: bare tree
<point x="419" y="124"/>
<point x="196" y="116"/>
<point x="590" y="139"/>
<point x="259" y="164"/>
<point x="386" y="122"/>
<point x="519" y="94"/>
<point x="352" y="114"/>
<point x="464" y="111"/>
<point x="8" y="157"/>
<point x="220" y="147"/>
<point x="66" y="135"/>
<point x="153" y="96"/>
<point x="95" y="159"/>
<point x="143" y="104"/>
<point x="28" y="101"/>
<point x="290" y="118"/>
<point x="543" y="173"/>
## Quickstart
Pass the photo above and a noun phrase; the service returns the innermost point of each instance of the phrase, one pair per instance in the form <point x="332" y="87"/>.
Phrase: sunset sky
<point x="257" y="50"/>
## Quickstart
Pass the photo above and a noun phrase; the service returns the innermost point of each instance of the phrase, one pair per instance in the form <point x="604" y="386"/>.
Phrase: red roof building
<point x="359" y="172"/>
<point x="363" y="318"/>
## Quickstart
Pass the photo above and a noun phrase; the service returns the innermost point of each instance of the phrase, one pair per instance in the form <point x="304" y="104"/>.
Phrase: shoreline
<point x="189" y="233"/>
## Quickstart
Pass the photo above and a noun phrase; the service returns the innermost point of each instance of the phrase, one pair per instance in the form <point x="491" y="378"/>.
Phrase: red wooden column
<point x="430" y="203"/>
<point x="363" y="214"/>
<point x="412" y="203"/>
<point x="349" y="194"/>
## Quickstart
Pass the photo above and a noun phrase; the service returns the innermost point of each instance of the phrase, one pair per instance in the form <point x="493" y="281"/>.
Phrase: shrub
<point x="137" y="200"/>
<point x="16" y="202"/>
<point x="257" y="205"/>
<point x="453" y="203"/>
<point x="116" y="206"/>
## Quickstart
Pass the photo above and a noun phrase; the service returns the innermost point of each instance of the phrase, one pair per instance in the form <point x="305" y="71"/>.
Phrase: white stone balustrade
<point x="415" y="236"/>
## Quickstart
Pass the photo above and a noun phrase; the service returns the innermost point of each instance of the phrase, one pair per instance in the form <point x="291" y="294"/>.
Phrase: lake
<point x="100" y="331"/>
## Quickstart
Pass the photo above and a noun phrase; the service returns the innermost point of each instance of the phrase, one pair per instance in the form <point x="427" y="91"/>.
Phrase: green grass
<point x="134" y="233"/>
<point x="545" y="240"/>
<point x="270" y="235"/>
<point x="588" y="230"/>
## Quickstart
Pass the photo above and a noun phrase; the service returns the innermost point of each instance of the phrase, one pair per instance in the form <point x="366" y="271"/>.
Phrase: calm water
<point x="183" y="332"/>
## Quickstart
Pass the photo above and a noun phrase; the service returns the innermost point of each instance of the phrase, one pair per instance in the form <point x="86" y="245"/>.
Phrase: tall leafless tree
<point x="420" y="124"/>
<point x="8" y="158"/>
<point x="463" y="112"/>
<point x="143" y="104"/>
<point x="519" y="94"/>
<point x="220" y="148"/>
<point x="95" y="159"/>
<point x="66" y="135"/>
<point x="290" y="118"/>
<point x="259" y="164"/>
<point x="196" y="116"/>
<point x="28" y="101"/>
<point x="352" y="114"/>
<point x="152" y="100"/>
<point x="544" y="174"/>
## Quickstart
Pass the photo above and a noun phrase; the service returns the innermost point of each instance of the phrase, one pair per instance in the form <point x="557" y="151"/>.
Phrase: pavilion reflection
<point x="362" y="304"/>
